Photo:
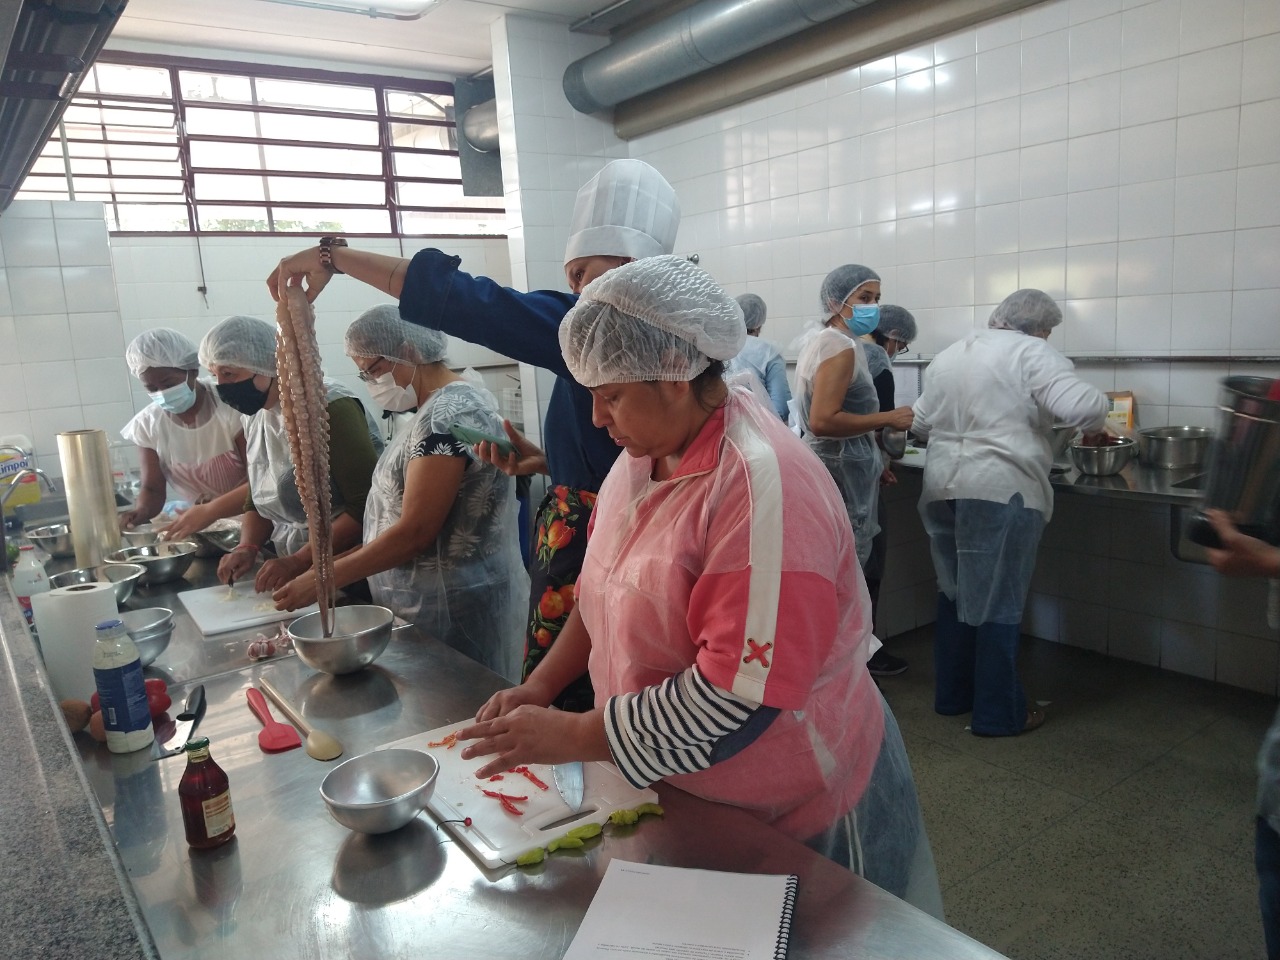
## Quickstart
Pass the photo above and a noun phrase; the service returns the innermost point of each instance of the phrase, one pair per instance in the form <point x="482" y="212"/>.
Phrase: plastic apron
<point x="853" y="462"/>
<point x="271" y="471"/>
<point x="469" y="588"/>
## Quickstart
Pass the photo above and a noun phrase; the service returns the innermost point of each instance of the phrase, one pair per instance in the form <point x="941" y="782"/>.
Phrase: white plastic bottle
<point x="117" y="673"/>
<point x="28" y="578"/>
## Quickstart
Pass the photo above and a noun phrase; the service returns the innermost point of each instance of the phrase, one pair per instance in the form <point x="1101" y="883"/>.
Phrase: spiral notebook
<point x="674" y="913"/>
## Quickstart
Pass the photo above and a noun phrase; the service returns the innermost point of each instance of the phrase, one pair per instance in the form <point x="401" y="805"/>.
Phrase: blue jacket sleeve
<point x="523" y="326"/>
<point x="776" y="384"/>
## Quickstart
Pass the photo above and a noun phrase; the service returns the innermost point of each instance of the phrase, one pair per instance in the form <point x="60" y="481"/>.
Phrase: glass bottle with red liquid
<point x="206" y="799"/>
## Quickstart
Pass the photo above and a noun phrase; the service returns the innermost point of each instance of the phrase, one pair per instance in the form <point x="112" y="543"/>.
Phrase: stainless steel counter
<point x="296" y="884"/>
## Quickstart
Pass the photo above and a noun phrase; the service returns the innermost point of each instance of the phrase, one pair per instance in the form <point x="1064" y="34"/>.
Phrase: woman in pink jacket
<point x="720" y="610"/>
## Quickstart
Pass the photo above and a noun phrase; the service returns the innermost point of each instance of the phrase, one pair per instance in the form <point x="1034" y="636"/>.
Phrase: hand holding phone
<point x="472" y="437"/>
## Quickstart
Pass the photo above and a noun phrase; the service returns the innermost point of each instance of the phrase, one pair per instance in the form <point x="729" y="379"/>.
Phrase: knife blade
<point x="187" y="721"/>
<point x="568" y="780"/>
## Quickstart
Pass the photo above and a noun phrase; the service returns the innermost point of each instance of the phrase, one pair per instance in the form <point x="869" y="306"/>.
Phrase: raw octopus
<point x="306" y="418"/>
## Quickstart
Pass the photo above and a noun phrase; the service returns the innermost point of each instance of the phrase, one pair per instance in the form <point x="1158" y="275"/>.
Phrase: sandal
<point x="1035" y="720"/>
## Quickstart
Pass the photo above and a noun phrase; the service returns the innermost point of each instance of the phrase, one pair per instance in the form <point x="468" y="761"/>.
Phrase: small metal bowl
<point x="380" y="791"/>
<point x="142" y="535"/>
<point x="360" y="634"/>
<point x="1105" y="460"/>
<point x="150" y="629"/>
<point x="55" y="540"/>
<point x="161" y="562"/>
<point x="123" y="576"/>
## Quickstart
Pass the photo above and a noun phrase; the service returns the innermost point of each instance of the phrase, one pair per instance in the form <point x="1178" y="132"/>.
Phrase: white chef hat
<point x="626" y="210"/>
<point x="659" y="318"/>
<point x="161" y="347"/>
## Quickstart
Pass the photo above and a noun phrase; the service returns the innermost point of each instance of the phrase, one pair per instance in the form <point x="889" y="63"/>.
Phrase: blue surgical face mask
<point x="176" y="399"/>
<point x="866" y="317"/>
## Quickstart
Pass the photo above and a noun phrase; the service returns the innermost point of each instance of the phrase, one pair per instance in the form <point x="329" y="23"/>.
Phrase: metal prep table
<point x="294" y="883"/>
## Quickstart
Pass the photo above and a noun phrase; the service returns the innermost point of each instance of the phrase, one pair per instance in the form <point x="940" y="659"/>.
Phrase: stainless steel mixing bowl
<point x="150" y="629"/>
<point x="360" y="634"/>
<point x="380" y="791"/>
<point x="142" y="535"/>
<point x="161" y="562"/>
<point x="1103" y="461"/>
<point x="54" y="539"/>
<point x="123" y="576"/>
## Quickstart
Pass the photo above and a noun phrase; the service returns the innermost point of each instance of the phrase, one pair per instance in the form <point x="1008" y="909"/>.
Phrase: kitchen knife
<point x="568" y="780"/>
<point x="190" y="717"/>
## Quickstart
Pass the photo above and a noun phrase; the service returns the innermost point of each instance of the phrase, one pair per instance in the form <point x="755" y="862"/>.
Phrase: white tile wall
<point x="1124" y="156"/>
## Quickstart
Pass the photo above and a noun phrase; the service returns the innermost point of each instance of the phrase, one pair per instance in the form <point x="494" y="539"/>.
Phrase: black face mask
<point x="243" y="397"/>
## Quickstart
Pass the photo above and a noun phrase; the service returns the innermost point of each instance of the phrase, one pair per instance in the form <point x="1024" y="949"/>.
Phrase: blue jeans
<point x="1266" y="858"/>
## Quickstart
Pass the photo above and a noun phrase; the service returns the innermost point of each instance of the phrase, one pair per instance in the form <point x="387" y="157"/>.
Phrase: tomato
<point x="158" y="699"/>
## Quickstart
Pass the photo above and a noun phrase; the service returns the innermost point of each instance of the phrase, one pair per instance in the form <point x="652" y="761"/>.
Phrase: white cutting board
<point x="496" y="837"/>
<point x="214" y="613"/>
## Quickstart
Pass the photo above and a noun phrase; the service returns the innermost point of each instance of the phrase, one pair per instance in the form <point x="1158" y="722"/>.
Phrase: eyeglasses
<point x="367" y="375"/>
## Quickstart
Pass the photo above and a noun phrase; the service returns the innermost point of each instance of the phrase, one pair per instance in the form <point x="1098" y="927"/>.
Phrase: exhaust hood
<point x="47" y="46"/>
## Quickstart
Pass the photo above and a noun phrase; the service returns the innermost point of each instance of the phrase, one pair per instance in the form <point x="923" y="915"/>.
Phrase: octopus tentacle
<point x="306" y="417"/>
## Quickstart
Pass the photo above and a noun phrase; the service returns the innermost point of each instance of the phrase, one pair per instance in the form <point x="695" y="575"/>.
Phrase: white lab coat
<point x="988" y="408"/>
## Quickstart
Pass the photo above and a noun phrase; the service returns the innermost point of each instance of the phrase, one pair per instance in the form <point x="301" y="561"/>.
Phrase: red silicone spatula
<point x="274" y="735"/>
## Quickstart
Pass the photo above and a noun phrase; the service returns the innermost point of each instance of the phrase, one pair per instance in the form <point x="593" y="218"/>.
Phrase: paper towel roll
<point x="91" y="495"/>
<point x="65" y="619"/>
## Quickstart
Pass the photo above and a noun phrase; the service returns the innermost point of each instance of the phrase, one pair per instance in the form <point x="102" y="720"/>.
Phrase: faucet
<point x="8" y="492"/>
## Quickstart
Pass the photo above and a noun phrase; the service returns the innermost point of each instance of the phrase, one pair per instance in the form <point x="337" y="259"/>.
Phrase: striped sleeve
<point x="681" y="725"/>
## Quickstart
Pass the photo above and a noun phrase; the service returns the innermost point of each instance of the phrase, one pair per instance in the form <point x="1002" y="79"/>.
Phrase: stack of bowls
<point x="150" y="630"/>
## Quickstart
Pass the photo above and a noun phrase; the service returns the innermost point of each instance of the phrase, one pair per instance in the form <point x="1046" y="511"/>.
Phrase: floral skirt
<point x="559" y="545"/>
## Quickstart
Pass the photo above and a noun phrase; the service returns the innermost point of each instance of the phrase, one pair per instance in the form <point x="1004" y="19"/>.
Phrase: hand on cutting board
<point x="278" y="572"/>
<point x="504" y="701"/>
<point x="297" y="593"/>
<point x="235" y="565"/>
<point x="530" y="734"/>
<point x="1241" y="555"/>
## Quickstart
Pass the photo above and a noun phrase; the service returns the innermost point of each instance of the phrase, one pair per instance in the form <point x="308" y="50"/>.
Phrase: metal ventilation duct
<point x="480" y="126"/>
<point x="47" y="47"/>
<point x="694" y="39"/>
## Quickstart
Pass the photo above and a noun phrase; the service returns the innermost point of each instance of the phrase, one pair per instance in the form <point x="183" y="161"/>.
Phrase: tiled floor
<point x="1121" y="829"/>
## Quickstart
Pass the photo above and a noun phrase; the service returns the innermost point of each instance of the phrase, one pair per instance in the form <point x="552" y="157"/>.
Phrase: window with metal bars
<point x="189" y="146"/>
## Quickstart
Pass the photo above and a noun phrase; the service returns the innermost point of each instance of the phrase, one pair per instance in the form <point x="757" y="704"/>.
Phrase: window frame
<point x="194" y="205"/>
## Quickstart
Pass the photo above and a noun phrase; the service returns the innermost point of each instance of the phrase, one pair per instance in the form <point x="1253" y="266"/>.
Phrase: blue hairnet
<point x="1029" y="311"/>
<point x="753" y="311"/>
<point x="241" y="342"/>
<point x="897" y="322"/>
<point x="380" y="332"/>
<point x="841" y="282"/>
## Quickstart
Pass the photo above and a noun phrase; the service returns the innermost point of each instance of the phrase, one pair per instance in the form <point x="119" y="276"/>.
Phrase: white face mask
<point x="389" y="395"/>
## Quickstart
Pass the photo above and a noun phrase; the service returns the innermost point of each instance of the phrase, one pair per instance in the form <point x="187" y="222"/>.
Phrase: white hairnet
<point x="897" y="322"/>
<point x="753" y="311"/>
<point x="626" y="210"/>
<point x="1030" y="311"/>
<point x="661" y="318"/>
<point x="241" y="342"/>
<point x="841" y="282"/>
<point x="380" y="332"/>
<point x="161" y="347"/>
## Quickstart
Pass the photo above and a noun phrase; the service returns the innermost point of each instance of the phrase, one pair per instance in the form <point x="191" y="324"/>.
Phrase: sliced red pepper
<point x="450" y="741"/>
<point x="496" y="776"/>
<point x="530" y="775"/>
<point x="508" y="802"/>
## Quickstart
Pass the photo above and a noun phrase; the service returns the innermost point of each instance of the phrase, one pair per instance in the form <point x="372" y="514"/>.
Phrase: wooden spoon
<point x="319" y="745"/>
<point x="274" y="735"/>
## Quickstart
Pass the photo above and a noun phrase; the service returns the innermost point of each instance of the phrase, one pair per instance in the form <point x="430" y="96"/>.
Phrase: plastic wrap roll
<point x="65" y="619"/>
<point x="91" y="496"/>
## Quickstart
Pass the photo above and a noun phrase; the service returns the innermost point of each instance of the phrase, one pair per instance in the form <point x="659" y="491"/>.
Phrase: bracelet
<point x="247" y="546"/>
<point x="326" y="252"/>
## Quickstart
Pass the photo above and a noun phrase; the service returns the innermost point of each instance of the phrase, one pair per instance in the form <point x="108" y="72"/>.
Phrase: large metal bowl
<point x="162" y="562"/>
<point x="54" y="540"/>
<point x="1172" y="448"/>
<point x="380" y="791"/>
<point x="1104" y="460"/>
<point x="123" y="576"/>
<point x="360" y="634"/>
<point x="150" y="629"/>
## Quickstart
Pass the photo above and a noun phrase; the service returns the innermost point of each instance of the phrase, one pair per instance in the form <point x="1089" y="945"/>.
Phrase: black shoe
<point x="885" y="664"/>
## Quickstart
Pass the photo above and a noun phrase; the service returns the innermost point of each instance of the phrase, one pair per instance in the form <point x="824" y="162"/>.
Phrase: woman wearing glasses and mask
<point x="441" y="542"/>
<point x="240" y="352"/>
